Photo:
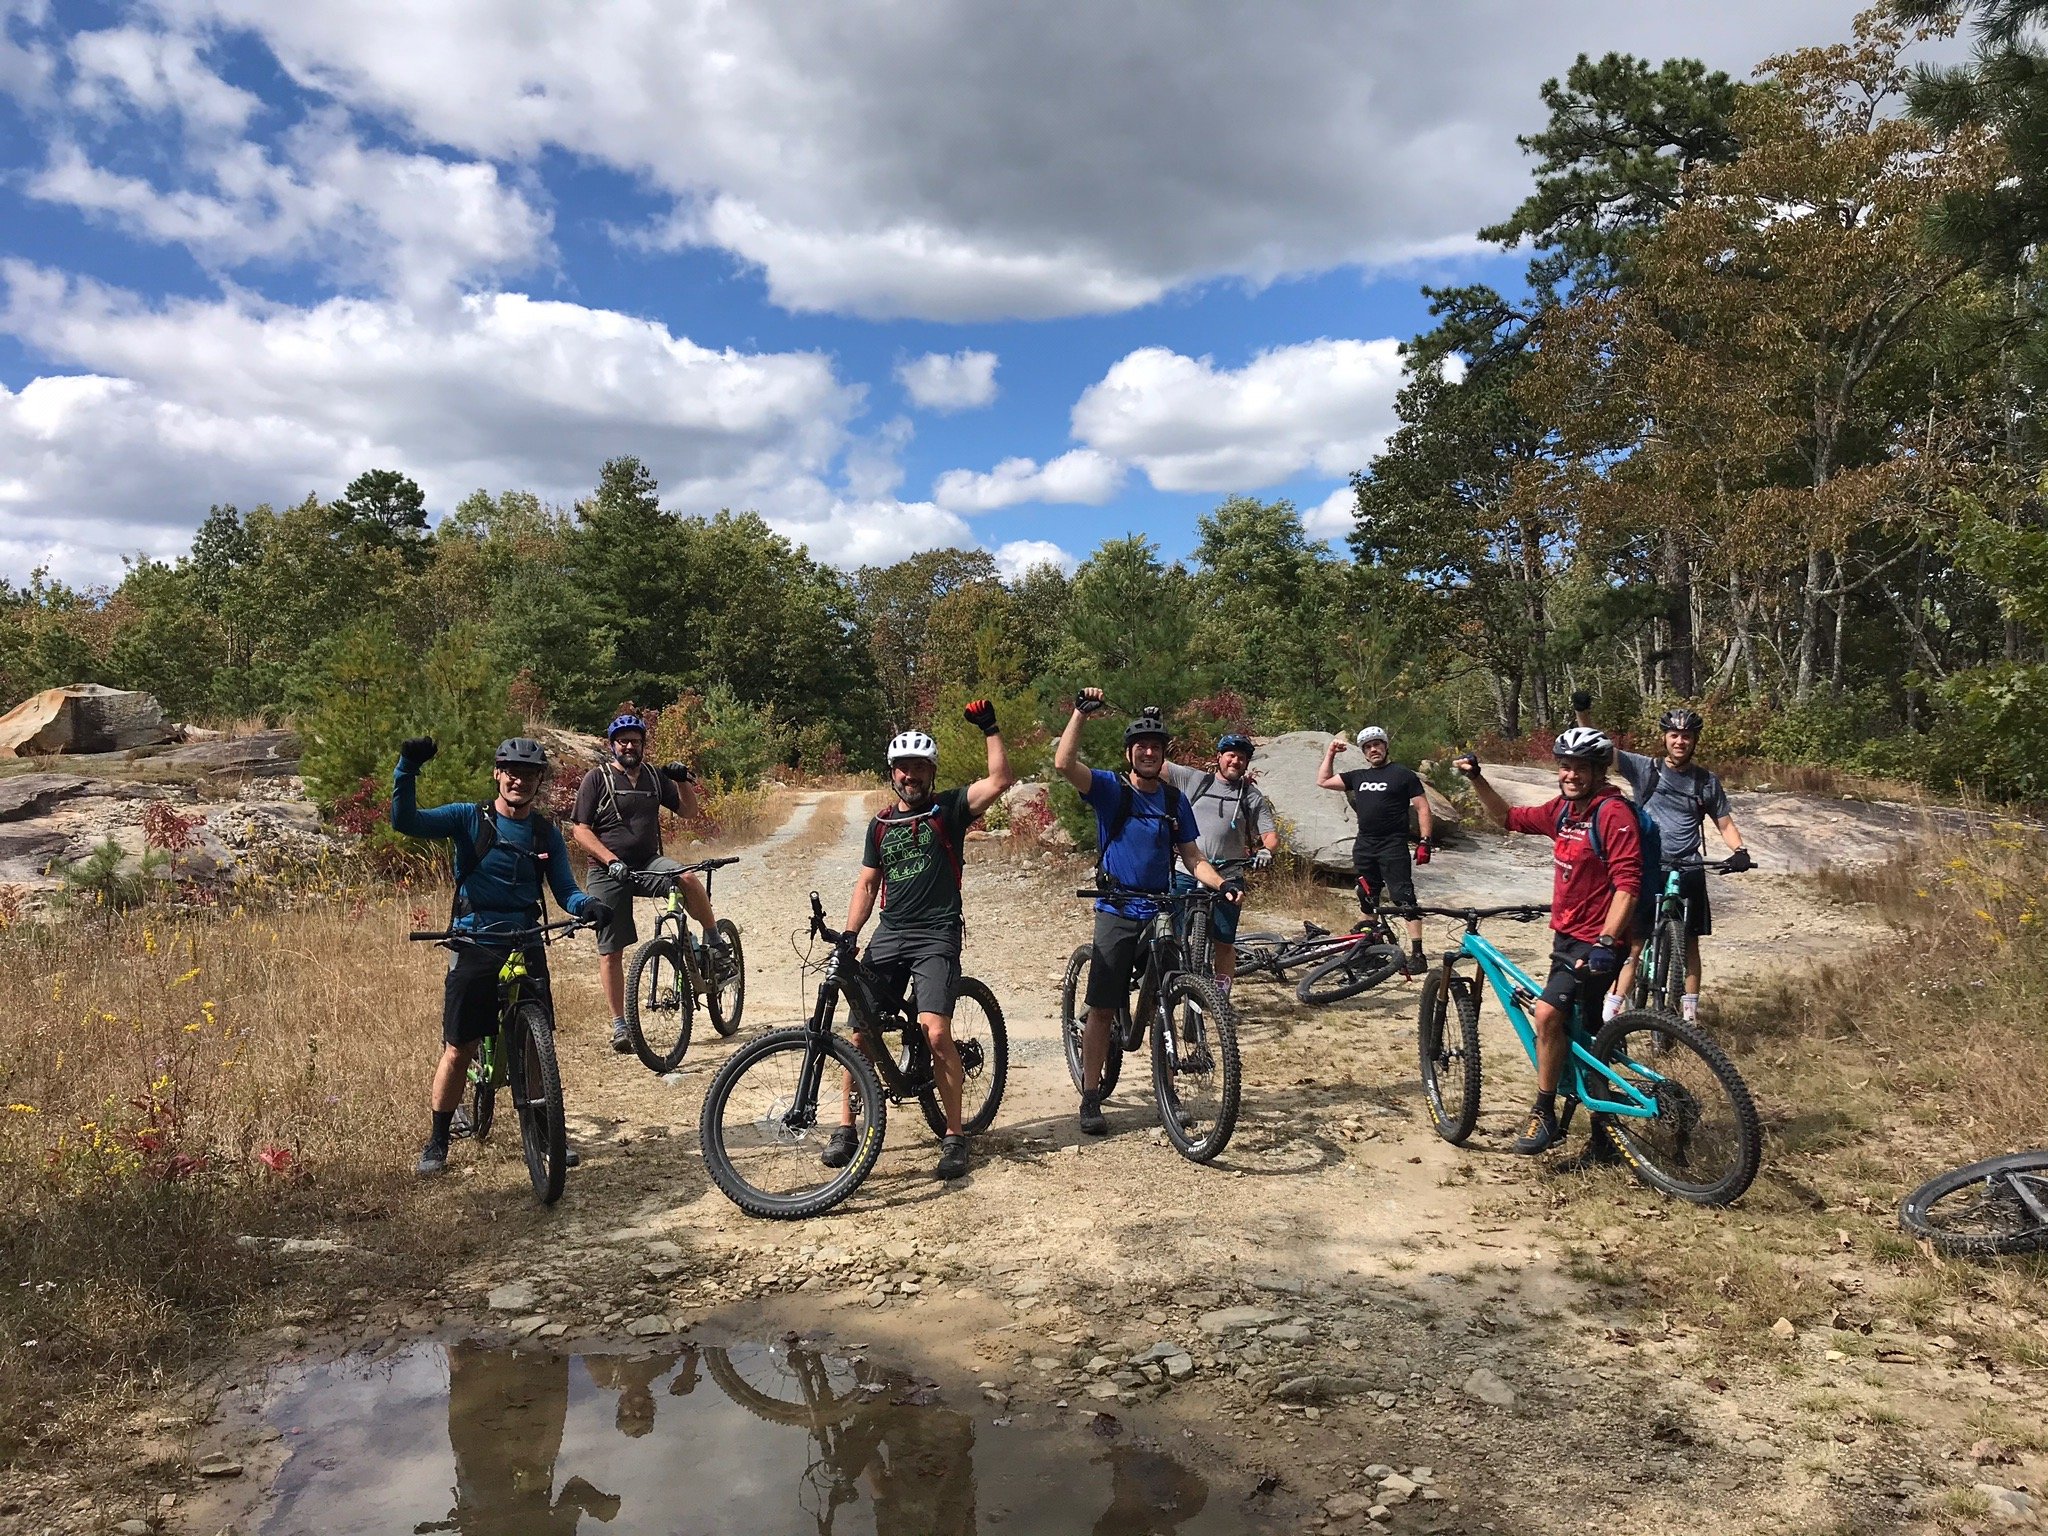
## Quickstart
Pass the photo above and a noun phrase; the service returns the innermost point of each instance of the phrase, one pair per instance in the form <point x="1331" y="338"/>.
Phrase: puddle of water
<point x="486" y="1440"/>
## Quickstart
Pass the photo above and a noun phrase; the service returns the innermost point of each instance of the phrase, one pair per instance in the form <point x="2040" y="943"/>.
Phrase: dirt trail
<point x="1342" y="1296"/>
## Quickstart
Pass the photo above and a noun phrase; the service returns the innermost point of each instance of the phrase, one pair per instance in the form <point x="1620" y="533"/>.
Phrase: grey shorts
<point x="921" y="967"/>
<point x="620" y="932"/>
<point x="1112" y="955"/>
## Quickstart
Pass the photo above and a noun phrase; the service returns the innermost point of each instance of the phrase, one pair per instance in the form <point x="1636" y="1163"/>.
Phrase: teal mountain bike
<point x="1660" y="971"/>
<point x="1686" y="1126"/>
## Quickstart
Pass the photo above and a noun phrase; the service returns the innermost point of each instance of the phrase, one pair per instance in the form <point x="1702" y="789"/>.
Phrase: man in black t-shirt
<point x="911" y="860"/>
<point x="618" y="825"/>
<point x="1381" y="795"/>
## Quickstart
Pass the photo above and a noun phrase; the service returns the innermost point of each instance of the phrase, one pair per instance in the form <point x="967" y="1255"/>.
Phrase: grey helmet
<point x="520" y="752"/>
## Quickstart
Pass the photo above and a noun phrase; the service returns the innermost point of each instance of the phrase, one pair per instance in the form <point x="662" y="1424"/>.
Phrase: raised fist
<point x="680" y="772"/>
<point x="417" y="750"/>
<point x="1089" y="701"/>
<point x="982" y="713"/>
<point x="1467" y="763"/>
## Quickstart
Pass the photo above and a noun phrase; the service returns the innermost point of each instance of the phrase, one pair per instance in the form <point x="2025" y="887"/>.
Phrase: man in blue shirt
<point x="497" y="891"/>
<point x="1141" y="824"/>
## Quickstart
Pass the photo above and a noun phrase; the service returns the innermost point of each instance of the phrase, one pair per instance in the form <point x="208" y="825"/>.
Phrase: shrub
<point x="104" y="882"/>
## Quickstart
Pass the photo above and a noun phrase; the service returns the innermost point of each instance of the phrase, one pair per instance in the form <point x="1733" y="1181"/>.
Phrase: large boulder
<point x="260" y="755"/>
<point x="1317" y="824"/>
<point x="83" y="717"/>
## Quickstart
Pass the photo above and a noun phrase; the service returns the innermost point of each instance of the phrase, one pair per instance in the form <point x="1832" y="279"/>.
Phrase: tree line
<point x="1754" y="430"/>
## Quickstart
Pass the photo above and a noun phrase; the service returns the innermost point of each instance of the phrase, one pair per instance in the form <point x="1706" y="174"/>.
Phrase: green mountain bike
<point x="674" y="968"/>
<point x="519" y="1056"/>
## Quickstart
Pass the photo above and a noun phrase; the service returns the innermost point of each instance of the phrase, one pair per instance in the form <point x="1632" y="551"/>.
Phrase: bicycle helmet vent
<point x="1584" y="742"/>
<point x="1371" y="734"/>
<point x="520" y="752"/>
<point x="913" y="744"/>
<point x="1147" y="726"/>
<point x="626" y="722"/>
<point x="1687" y="720"/>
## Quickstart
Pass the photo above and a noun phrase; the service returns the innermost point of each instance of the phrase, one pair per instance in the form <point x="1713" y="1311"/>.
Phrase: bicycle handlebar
<point x="1718" y="866"/>
<point x="660" y="882"/>
<point x="498" y="938"/>
<point x="821" y="928"/>
<point x="1521" y="912"/>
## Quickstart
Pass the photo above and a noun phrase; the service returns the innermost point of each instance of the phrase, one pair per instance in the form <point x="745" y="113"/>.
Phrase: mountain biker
<point x="499" y="892"/>
<point x="1598" y="864"/>
<point x="1229" y="811"/>
<point x="1679" y="795"/>
<point x="911" y="859"/>
<point x="1381" y="794"/>
<point x="618" y="825"/>
<point x="1141" y="824"/>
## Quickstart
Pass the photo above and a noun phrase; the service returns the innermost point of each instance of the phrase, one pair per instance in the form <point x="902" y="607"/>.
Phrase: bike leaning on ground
<point x="1984" y="1210"/>
<point x="519" y="1056"/>
<point x="1686" y="1126"/>
<point x="675" y="967"/>
<point x="759" y="1129"/>
<point x="1177" y="1005"/>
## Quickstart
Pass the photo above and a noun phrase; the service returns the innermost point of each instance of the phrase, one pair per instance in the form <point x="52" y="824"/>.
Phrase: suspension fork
<point x="804" y="1111"/>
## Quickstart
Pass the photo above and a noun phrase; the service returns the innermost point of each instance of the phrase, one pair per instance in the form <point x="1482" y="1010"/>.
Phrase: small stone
<point x="134" y="1528"/>
<point x="1396" y="1489"/>
<point x="1045" y="1363"/>
<point x="2009" y="1506"/>
<point x="1179" y="1367"/>
<point x="1783" y="1328"/>
<point x="1347" y="1506"/>
<point x="1378" y="1512"/>
<point x="1103" y="1389"/>
<point x="518" y="1296"/>
<point x="1229" y="1319"/>
<point x="1488" y="1388"/>
<point x="651" y="1326"/>
<point x="219" y="1465"/>
<point x="528" y="1325"/>
<point x="1285" y="1333"/>
<point x="551" y="1330"/>
<point x="1319" y="1388"/>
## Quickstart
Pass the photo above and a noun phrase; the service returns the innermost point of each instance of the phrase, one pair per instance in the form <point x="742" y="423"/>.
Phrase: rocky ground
<point x="1366" y="1328"/>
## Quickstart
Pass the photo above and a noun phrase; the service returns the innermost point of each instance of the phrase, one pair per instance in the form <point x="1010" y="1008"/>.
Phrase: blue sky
<point x="894" y="276"/>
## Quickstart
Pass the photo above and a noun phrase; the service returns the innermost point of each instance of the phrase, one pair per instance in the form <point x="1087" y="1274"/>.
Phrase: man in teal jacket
<point x="497" y="892"/>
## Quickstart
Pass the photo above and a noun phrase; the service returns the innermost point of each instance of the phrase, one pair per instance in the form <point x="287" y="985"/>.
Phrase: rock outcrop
<point x="83" y="717"/>
<point x="1317" y="824"/>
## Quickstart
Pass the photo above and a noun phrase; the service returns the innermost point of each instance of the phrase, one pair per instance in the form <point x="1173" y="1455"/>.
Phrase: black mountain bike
<point x="675" y="967"/>
<point x="1660" y="970"/>
<point x="520" y="1055"/>
<point x="760" y="1130"/>
<point x="1191" y="1024"/>
<point x="1998" y="1206"/>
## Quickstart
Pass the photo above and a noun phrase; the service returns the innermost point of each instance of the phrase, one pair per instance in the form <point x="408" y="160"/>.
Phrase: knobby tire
<point x="659" y="1000"/>
<point x="760" y="1054"/>
<point x="1447" y="1039"/>
<point x="989" y="1076"/>
<point x="1998" y="1212"/>
<point x="1629" y="1134"/>
<point x="725" y="994"/>
<point x="1074" y="1019"/>
<point x="1347" y="974"/>
<point x="1217" y="1026"/>
<point x="537" y="1094"/>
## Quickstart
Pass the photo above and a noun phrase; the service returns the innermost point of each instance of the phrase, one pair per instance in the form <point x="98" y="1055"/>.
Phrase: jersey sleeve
<point x="1262" y="816"/>
<point x="1538" y="820"/>
<point x="1623" y="841"/>
<point x="1416" y="789"/>
<point x="1636" y="769"/>
<point x="671" y="792"/>
<point x="871" y="845"/>
<point x="441" y="821"/>
<point x="561" y="881"/>
<point x="586" y="798"/>
<point x="1183" y="813"/>
<point x="1101" y="796"/>
<point x="953" y="807"/>
<point x="1716" y="799"/>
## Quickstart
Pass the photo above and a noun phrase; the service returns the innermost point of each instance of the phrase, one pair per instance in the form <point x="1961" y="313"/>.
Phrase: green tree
<point x="1271" y="599"/>
<point x="896" y="606"/>
<point x="385" y="508"/>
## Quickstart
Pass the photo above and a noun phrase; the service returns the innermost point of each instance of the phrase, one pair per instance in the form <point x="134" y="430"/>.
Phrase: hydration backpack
<point x="1126" y="806"/>
<point x="1646" y="832"/>
<point x="955" y="859"/>
<point x="486" y="840"/>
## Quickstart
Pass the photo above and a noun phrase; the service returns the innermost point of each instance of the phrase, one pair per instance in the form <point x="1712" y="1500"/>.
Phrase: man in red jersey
<point x="1599" y="874"/>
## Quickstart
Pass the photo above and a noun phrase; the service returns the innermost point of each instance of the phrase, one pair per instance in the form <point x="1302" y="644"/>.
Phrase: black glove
<point x="595" y="912"/>
<point x="1604" y="958"/>
<point x="618" y="870"/>
<point x="1740" y="860"/>
<point x="680" y="772"/>
<point x="1231" y="890"/>
<point x="1581" y="700"/>
<point x="417" y="750"/>
<point x="1467" y="763"/>
<point x="982" y="713"/>
<point x="1089" y="701"/>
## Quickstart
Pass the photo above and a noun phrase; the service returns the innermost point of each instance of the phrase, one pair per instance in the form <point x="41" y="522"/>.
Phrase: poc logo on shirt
<point x="1377" y="786"/>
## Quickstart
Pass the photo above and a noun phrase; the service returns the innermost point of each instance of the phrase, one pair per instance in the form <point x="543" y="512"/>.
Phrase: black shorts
<point x="1386" y="872"/>
<point x="925" y="967"/>
<point x="1568" y="986"/>
<point x="1112" y="955"/>
<point x="469" y="1000"/>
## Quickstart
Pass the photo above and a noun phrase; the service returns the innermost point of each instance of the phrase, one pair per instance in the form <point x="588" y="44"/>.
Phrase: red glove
<point x="1422" y="851"/>
<point x="982" y="713"/>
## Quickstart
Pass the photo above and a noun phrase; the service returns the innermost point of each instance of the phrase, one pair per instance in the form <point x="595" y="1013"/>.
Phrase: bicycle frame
<point x="1160" y="955"/>
<point x="1515" y="989"/>
<point x="847" y="976"/>
<point x="673" y="914"/>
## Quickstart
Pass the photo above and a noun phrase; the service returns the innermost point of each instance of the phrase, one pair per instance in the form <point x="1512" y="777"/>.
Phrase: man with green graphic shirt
<point x="911" y="861"/>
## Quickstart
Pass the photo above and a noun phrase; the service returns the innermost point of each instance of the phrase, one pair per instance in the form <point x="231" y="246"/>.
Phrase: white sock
<point x="1689" y="1005"/>
<point x="1223" y="984"/>
<point x="1610" y="1005"/>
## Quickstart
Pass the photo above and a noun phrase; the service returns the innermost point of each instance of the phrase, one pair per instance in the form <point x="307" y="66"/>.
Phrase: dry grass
<point x="1929" y="1051"/>
<point x="177" y="1082"/>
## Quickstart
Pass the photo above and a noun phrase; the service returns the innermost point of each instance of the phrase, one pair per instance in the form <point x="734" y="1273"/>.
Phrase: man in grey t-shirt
<point x="1679" y="796"/>
<point x="1233" y="820"/>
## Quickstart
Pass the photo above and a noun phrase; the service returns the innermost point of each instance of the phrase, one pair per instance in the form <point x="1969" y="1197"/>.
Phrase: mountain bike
<point x="1998" y="1206"/>
<point x="1660" y="969"/>
<point x="519" y="1055"/>
<point x="675" y="967"/>
<point x="759" y="1129"/>
<point x="1687" y="1126"/>
<point x="1191" y="1024"/>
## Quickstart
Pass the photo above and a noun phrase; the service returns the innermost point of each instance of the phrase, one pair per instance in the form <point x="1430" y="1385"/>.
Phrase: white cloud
<point x="25" y="67"/>
<point x="1323" y="405"/>
<point x="1021" y="555"/>
<point x="156" y="72"/>
<point x="1081" y="475"/>
<point x="1335" y="516"/>
<point x="956" y="381"/>
<point x="967" y="158"/>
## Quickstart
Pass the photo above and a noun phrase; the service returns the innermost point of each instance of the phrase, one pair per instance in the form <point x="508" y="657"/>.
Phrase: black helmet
<point x="1687" y="720"/>
<point x="1147" y="724"/>
<point x="520" y="752"/>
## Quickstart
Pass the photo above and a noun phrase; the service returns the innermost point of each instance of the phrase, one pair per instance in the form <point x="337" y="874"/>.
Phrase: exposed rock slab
<point x="34" y="794"/>
<point x="83" y="717"/>
<point x="1317" y="824"/>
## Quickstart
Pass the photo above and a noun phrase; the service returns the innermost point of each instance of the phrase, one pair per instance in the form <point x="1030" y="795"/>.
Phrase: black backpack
<point x="1127" y="803"/>
<point x="486" y="840"/>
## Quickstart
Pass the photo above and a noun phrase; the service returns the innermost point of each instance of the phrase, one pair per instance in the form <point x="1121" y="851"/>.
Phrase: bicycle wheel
<point x="788" y="1385"/>
<point x="1670" y="965"/>
<point x="1450" y="1055"/>
<point x="762" y="1130"/>
<point x="1704" y="1144"/>
<point x="1998" y="1206"/>
<point x="1195" y="1067"/>
<point x="537" y="1095"/>
<point x="984" y="1047"/>
<point x="1258" y="954"/>
<point x="659" y="1005"/>
<point x="483" y="1093"/>
<point x="1350" y="973"/>
<point x="1073" y="1019"/>
<point x="725" y="986"/>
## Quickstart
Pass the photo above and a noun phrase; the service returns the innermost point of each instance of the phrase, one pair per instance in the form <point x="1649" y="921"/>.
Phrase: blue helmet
<point x="1235" y="741"/>
<point x="625" y="722"/>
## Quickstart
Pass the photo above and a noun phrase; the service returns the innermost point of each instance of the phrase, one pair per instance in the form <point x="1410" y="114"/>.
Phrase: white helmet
<point x="913" y="744"/>
<point x="1373" y="733"/>
<point x="1585" y="743"/>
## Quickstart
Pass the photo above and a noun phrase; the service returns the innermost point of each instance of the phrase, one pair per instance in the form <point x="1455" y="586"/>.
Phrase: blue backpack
<point x="1646" y="830"/>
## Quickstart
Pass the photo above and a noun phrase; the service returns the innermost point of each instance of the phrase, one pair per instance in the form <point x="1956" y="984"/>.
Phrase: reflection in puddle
<point x="492" y="1441"/>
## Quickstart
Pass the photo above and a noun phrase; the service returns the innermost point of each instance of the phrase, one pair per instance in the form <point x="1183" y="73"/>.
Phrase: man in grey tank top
<point x="1233" y="820"/>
